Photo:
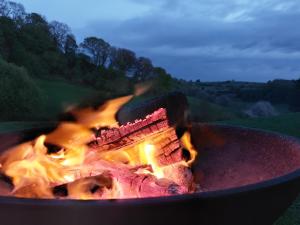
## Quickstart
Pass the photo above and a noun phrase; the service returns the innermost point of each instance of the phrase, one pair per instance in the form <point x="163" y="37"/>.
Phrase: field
<point x="59" y="96"/>
<point x="62" y="95"/>
<point x="286" y="123"/>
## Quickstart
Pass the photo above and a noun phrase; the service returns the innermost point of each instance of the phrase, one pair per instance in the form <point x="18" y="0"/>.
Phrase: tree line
<point x="49" y="50"/>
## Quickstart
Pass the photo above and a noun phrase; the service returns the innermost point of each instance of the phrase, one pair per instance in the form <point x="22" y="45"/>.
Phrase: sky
<point x="210" y="40"/>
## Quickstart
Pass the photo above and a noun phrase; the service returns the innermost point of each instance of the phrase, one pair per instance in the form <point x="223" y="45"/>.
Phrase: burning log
<point x="175" y="103"/>
<point x="143" y="158"/>
<point x="130" y="133"/>
<point x="146" y="185"/>
<point x="153" y="129"/>
<point x="130" y="183"/>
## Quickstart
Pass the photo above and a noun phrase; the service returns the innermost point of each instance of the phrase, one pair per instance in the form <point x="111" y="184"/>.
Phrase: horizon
<point x="243" y="40"/>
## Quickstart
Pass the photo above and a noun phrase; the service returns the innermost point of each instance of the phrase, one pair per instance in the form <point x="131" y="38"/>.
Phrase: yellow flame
<point x="186" y="142"/>
<point x="72" y="138"/>
<point x="70" y="134"/>
<point x="33" y="167"/>
<point x="147" y="154"/>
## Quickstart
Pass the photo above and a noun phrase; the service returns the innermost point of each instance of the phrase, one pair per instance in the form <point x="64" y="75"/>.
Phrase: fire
<point x="29" y="165"/>
<point x="148" y="151"/>
<point x="103" y="116"/>
<point x="187" y="143"/>
<point x="140" y="159"/>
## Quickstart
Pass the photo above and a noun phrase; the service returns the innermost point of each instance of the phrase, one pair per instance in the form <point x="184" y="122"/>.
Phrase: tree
<point x="298" y="84"/>
<point x="36" y="19"/>
<point x="144" y="68"/>
<point x="122" y="59"/>
<point x="294" y="99"/>
<point x="70" y="50"/>
<point x="4" y="8"/>
<point x="161" y="81"/>
<point x="20" y="97"/>
<point x="97" y="48"/>
<point x="35" y="35"/>
<point x="7" y="36"/>
<point x="70" y="45"/>
<point x="60" y="32"/>
<point x="16" y="11"/>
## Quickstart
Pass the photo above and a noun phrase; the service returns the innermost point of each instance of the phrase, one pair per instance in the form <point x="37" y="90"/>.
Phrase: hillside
<point x="60" y="95"/>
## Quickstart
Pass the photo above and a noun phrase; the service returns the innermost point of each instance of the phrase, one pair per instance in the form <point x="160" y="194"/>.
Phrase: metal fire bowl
<point x="248" y="177"/>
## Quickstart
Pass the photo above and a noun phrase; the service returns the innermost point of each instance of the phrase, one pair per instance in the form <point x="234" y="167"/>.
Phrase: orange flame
<point x="28" y="164"/>
<point x="35" y="170"/>
<point x="187" y="143"/>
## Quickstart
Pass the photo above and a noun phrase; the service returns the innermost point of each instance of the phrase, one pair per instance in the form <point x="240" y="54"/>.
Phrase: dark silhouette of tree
<point x="16" y="11"/>
<point x="97" y="48"/>
<point x="298" y="84"/>
<point x="70" y="45"/>
<point x="36" y="19"/>
<point x="112" y="56"/>
<point x="35" y="35"/>
<point x="8" y="37"/>
<point x="122" y="59"/>
<point x="161" y="81"/>
<point x="60" y="32"/>
<point x="4" y="9"/>
<point x="294" y="98"/>
<point x="144" y="68"/>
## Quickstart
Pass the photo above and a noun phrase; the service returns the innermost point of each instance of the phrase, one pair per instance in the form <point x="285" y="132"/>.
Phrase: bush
<point x="20" y="98"/>
<point x="261" y="109"/>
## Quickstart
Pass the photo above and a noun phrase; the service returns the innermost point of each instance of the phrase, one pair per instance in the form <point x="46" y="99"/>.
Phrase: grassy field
<point x="287" y="123"/>
<point x="61" y="95"/>
<point x="205" y="111"/>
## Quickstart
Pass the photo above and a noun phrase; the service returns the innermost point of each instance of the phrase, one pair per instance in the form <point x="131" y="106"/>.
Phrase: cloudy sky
<point x="248" y="40"/>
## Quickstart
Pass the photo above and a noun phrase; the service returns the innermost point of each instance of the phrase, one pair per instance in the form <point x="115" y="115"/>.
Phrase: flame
<point x="70" y="134"/>
<point x="102" y="117"/>
<point x="187" y="143"/>
<point x="29" y="164"/>
<point x="147" y="152"/>
<point x="72" y="138"/>
<point x="35" y="168"/>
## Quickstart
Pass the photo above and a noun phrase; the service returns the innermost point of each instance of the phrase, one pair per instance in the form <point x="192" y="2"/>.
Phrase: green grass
<point x="205" y="111"/>
<point x="61" y="95"/>
<point x="287" y="124"/>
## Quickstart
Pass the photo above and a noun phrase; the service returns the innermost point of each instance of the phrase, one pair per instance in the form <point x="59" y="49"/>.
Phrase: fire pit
<point x="246" y="177"/>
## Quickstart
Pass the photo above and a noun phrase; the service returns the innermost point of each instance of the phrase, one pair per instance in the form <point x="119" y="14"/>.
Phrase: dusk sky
<point x="210" y="40"/>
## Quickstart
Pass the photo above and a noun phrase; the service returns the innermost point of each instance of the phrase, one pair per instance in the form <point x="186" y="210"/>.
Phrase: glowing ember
<point x="140" y="159"/>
